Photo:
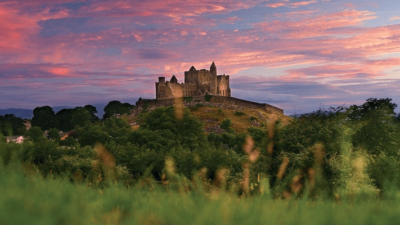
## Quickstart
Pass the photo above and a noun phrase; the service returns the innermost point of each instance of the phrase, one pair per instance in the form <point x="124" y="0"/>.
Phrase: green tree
<point x="188" y="131"/>
<point x="64" y="118"/>
<point x="92" y="111"/>
<point x="11" y="125"/>
<point x="376" y="127"/>
<point x="44" y="117"/>
<point x="316" y="135"/>
<point x="54" y="134"/>
<point x="91" y="135"/>
<point x="117" y="127"/>
<point x="69" y="141"/>
<point x="80" y="117"/>
<point x="116" y="107"/>
<point x="35" y="134"/>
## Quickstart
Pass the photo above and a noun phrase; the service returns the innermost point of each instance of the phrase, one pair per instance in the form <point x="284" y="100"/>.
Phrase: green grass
<point x="31" y="199"/>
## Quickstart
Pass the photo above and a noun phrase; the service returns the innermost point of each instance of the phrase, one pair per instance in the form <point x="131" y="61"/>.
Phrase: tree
<point x="376" y="127"/>
<point x="54" y="134"/>
<point x="11" y="125"/>
<point x="92" y="111"/>
<point x="116" y="127"/>
<point x="116" y="107"/>
<point x="35" y="134"/>
<point x="44" y="117"/>
<point x="64" y="118"/>
<point x="188" y="131"/>
<point x="80" y="117"/>
<point x="91" y="135"/>
<point x="69" y="141"/>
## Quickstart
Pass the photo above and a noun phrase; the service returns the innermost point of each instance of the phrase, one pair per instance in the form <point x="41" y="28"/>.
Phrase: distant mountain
<point x="28" y="113"/>
<point x="22" y="113"/>
<point x="58" y="108"/>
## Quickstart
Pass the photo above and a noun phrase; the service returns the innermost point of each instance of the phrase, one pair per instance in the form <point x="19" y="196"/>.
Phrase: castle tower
<point x="213" y="69"/>
<point x="214" y="82"/>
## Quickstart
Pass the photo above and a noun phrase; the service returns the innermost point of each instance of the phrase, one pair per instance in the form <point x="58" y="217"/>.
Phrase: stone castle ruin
<point x="197" y="86"/>
<point x="197" y="83"/>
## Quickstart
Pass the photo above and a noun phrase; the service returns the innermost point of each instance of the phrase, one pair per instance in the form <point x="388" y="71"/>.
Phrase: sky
<point x="299" y="55"/>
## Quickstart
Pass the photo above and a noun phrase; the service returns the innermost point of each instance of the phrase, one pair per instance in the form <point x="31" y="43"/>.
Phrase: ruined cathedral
<point x="197" y="83"/>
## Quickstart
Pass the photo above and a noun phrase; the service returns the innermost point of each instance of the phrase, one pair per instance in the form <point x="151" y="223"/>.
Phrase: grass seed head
<point x="282" y="168"/>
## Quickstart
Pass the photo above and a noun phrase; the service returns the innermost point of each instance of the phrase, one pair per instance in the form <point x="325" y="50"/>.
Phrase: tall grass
<point x="32" y="199"/>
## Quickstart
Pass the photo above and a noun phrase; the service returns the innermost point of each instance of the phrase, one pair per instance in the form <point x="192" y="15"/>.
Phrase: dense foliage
<point x="116" y="107"/>
<point x="341" y="150"/>
<point x="11" y="125"/>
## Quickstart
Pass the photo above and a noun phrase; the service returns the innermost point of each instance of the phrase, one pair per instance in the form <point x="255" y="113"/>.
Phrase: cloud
<point x="394" y="18"/>
<point x="113" y="49"/>
<point x="290" y="4"/>
<point x="321" y="25"/>
<point x="365" y="69"/>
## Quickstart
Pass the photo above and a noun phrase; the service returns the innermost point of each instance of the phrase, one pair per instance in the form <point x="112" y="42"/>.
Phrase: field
<point x="35" y="200"/>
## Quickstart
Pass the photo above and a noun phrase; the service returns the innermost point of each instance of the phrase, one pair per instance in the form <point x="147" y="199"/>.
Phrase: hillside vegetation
<point x="336" y="166"/>
<point x="211" y="116"/>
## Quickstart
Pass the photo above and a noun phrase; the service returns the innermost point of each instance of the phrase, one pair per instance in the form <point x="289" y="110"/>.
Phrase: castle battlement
<point x="197" y="83"/>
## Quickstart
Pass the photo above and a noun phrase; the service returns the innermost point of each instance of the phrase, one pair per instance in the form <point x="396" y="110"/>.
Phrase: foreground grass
<point x="31" y="199"/>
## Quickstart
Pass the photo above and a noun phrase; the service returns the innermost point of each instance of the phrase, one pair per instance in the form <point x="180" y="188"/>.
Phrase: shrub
<point x="252" y="118"/>
<point x="239" y="113"/>
<point x="196" y="107"/>
<point x="188" y="99"/>
<point x="226" y="125"/>
<point x="207" y="98"/>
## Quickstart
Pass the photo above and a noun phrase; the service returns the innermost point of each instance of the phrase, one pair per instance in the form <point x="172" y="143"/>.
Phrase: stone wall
<point x="217" y="101"/>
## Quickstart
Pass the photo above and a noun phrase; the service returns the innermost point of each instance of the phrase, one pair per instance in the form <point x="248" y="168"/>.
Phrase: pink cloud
<point x="155" y="38"/>
<point x="316" y="26"/>
<point x="276" y="5"/>
<point x="290" y="4"/>
<point x="365" y="69"/>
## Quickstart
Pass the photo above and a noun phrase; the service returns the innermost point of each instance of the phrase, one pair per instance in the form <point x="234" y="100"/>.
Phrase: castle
<point x="197" y="83"/>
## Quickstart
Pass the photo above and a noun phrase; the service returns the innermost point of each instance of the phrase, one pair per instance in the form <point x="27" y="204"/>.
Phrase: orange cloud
<point x="60" y="71"/>
<point x="276" y="5"/>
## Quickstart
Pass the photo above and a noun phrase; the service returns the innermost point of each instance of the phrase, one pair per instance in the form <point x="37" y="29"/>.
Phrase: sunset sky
<point x="297" y="55"/>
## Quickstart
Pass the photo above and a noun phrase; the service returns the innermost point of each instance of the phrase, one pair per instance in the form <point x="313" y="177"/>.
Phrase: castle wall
<point x="191" y="76"/>
<point x="223" y="86"/>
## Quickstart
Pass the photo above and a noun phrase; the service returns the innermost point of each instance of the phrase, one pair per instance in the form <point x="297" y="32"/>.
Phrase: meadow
<point x="336" y="166"/>
<point x="36" y="200"/>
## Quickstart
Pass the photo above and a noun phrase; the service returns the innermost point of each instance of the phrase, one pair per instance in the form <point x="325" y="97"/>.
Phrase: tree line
<point x="340" y="149"/>
<point x="64" y="120"/>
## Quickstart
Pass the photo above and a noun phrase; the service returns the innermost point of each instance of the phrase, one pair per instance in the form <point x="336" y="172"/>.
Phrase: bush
<point x="252" y="118"/>
<point x="239" y="113"/>
<point x="207" y="98"/>
<point x="196" y="107"/>
<point x="188" y="99"/>
<point x="226" y="125"/>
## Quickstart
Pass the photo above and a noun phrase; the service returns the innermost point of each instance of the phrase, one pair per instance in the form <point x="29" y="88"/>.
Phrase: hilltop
<point x="213" y="112"/>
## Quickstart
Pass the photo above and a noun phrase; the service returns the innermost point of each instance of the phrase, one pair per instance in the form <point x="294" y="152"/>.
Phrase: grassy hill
<point x="212" y="117"/>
